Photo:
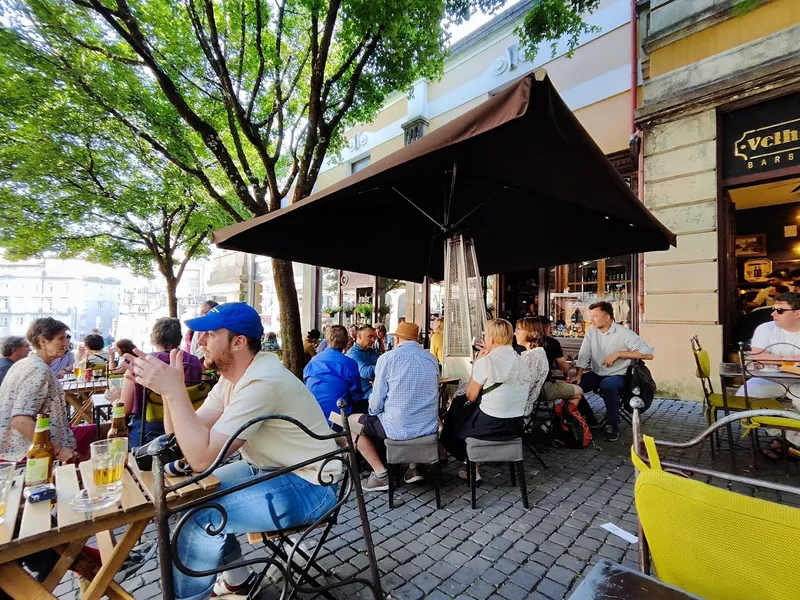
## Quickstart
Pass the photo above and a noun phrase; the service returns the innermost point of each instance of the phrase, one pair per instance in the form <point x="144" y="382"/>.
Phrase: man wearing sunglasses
<point x="776" y="342"/>
<point x="780" y="339"/>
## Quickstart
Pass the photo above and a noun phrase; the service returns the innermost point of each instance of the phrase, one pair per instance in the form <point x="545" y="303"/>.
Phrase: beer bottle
<point x="39" y="467"/>
<point x="119" y="425"/>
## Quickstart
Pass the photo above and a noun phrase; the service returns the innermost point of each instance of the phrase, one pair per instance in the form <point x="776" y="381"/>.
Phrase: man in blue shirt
<point x="331" y="375"/>
<point x="365" y="356"/>
<point x="403" y="404"/>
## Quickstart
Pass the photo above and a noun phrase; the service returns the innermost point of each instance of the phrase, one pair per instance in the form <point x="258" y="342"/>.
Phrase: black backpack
<point x="638" y="377"/>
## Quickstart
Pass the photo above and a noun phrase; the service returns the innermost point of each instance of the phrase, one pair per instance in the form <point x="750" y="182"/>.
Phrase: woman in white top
<point x="496" y="395"/>
<point x="529" y="334"/>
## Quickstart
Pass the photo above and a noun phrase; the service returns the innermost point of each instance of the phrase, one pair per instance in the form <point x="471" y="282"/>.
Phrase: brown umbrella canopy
<point x="518" y="173"/>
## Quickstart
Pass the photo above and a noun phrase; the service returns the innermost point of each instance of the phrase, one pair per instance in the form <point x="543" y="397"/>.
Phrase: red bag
<point x="570" y="427"/>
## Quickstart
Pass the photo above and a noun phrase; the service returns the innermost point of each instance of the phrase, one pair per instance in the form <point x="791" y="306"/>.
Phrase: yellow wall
<point x="608" y="122"/>
<point x="387" y="116"/>
<point x="763" y="21"/>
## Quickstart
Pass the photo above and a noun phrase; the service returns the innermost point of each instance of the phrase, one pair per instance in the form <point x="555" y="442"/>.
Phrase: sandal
<point x="464" y="476"/>
<point x="773" y="452"/>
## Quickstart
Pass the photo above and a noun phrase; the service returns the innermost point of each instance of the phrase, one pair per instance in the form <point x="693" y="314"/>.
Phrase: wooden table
<point x="733" y="373"/>
<point x="611" y="581"/>
<point x="69" y="531"/>
<point x="79" y="396"/>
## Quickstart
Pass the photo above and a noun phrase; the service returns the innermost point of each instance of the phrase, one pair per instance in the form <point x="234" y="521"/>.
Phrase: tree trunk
<point x="291" y="336"/>
<point x="172" y="296"/>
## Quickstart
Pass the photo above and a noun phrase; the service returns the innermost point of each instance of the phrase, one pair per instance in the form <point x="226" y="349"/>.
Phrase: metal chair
<point x="713" y="402"/>
<point x="424" y="451"/>
<point x="750" y="363"/>
<point x="489" y="451"/>
<point x="296" y="577"/>
<point x="707" y="540"/>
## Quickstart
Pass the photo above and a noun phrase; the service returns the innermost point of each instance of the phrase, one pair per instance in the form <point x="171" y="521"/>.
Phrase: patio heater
<point x="464" y="309"/>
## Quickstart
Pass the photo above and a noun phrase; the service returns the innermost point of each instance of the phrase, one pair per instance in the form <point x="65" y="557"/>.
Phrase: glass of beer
<point x="6" y="481"/>
<point x="108" y="462"/>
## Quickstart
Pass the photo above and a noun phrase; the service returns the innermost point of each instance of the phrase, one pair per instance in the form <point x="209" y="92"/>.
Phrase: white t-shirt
<point x="268" y="388"/>
<point x="504" y="366"/>
<point x="777" y="341"/>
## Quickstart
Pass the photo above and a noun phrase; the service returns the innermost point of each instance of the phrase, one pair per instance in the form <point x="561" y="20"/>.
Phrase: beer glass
<point x="6" y="481"/>
<point x="108" y="462"/>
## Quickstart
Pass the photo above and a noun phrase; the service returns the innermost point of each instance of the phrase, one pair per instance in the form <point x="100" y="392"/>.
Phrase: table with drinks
<point x="60" y="507"/>
<point x="79" y="391"/>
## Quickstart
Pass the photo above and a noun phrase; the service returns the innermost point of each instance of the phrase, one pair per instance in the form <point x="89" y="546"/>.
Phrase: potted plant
<point x="331" y="311"/>
<point x="364" y="311"/>
<point x="347" y="309"/>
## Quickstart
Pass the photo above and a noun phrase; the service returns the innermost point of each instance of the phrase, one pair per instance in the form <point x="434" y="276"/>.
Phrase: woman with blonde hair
<point x="437" y="340"/>
<point x="530" y="335"/>
<point x="494" y="403"/>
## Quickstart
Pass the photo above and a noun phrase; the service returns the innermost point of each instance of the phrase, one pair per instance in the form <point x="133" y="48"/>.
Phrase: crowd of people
<point x="389" y="383"/>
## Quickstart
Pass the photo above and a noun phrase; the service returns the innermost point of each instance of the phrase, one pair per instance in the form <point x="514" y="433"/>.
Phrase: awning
<point x="518" y="173"/>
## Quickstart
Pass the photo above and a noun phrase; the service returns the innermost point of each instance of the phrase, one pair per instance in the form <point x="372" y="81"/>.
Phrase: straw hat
<point x="407" y="331"/>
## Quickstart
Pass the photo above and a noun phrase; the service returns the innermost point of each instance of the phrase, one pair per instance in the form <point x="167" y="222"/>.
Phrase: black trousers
<point x="466" y="419"/>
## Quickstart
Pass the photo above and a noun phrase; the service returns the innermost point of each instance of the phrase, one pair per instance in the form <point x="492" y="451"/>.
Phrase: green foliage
<point x="76" y="184"/>
<point x="364" y="309"/>
<point x="550" y="20"/>
<point x="742" y="7"/>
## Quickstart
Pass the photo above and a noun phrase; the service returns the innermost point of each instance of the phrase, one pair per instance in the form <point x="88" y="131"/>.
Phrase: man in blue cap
<point x="251" y="385"/>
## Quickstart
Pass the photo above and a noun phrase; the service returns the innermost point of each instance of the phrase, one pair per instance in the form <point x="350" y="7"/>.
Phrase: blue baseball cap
<point x="238" y="317"/>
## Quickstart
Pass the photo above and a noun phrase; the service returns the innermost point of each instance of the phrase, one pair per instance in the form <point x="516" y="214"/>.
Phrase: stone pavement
<point x="500" y="551"/>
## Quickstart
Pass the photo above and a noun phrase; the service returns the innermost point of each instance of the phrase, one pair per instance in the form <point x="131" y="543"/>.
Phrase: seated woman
<point x="165" y="336"/>
<point x="123" y="347"/>
<point x="496" y="395"/>
<point x="530" y="334"/>
<point x="270" y="343"/>
<point x="96" y="357"/>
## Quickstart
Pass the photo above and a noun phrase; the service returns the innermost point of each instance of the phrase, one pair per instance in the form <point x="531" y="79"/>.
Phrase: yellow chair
<point x="709" y="541"/>
<point x="153" y="409"/>
<point x="714" y="403"/>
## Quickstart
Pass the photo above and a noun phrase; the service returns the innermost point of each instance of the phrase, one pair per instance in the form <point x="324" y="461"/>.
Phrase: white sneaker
<point x="224" y="591"/>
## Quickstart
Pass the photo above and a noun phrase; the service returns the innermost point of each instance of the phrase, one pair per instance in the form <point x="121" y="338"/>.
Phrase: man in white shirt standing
<point x="250" y="385"/>
<point x="608" y="349"/>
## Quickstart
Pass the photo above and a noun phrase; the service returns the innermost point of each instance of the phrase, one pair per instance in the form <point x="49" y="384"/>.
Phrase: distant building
<point x="144" y="302"/>
<point x="64" y="290"/>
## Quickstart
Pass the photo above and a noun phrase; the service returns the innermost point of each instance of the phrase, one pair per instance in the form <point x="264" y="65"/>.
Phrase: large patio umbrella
<point x="518" y="175"/>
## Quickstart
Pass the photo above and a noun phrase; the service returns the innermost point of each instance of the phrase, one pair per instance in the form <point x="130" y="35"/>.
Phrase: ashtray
<point x="91" y="500"/>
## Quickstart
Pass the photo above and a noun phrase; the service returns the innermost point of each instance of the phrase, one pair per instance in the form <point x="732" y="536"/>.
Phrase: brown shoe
<point x="412" y="475"/>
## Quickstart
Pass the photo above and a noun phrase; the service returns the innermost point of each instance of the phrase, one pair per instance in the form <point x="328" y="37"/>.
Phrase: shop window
<point x="575" y="287"/>
<point x="359" y="165"/>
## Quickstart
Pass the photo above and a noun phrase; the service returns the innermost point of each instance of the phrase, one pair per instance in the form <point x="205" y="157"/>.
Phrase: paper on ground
<point x="619" y="532"/>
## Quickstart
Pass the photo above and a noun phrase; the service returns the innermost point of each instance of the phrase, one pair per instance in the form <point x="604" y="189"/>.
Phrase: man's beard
<point x="221" y="363"/>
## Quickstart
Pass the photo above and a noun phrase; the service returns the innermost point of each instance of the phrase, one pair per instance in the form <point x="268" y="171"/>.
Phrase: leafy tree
<point x="74" y="184"/>
<point x="246" y="98"/>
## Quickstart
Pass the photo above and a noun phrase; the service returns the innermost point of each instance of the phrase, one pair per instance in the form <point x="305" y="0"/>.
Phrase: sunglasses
<point x="780" y="311"/>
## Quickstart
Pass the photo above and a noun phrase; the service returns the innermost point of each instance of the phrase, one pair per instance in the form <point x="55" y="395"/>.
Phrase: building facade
<point x="50" y="288"/>
<point x="596" y="84"/>
<point x="720" y="115"/>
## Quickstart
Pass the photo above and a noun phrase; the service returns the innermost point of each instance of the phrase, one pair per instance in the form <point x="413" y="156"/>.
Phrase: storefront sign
<point x="761" y="138"/>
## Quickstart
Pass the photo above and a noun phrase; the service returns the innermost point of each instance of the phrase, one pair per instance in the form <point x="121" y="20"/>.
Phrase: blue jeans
<point x="609" y="388"/>
<point x="286" y="501"/>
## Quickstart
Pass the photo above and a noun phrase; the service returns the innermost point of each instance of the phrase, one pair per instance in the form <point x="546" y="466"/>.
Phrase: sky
<point x="476" y="21"/>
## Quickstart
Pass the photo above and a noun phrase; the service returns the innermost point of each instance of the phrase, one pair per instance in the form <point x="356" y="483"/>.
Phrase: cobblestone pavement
<point x="501" y="550"/>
